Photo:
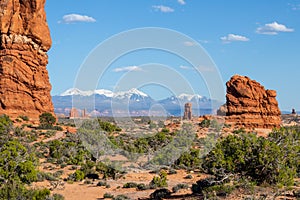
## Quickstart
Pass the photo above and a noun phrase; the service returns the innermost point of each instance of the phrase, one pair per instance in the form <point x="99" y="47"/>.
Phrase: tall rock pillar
<point x="24" y="42"/>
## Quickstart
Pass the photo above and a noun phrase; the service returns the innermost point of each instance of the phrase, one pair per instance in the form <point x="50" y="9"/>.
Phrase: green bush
<point x="5" y="124"/>
<point x="24" y="118"/>
<point x="189" y="159"/>
<point x="179" y="187"/>
<point x="108" y="196"/>
<point x="160" y="194"/>
<point x="78" y="175"/>
<point x="121" y="197"/>
<point x="101" y="183"/>
<point x="130" y="185"/>
<point x="159" y="181"/>
<point x="142" y="186"/>
<point x="47" y="119"/>
<point x="254" y="157"/>
<point x="16" y="164"/>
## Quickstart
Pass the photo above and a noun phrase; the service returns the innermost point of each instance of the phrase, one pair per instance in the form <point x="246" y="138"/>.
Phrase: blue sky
<point x="257" y="38"/>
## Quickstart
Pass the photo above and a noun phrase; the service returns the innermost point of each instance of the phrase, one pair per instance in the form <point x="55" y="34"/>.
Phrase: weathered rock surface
<point x="24" y="42"/>
<point x="249" y="105"/>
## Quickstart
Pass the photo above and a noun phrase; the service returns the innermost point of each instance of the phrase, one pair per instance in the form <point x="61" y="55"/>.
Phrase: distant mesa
<point x="249" y="105"/>
<point x="25" y="40"/>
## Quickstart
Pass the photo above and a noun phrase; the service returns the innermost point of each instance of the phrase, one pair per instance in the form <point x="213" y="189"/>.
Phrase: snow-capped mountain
<point x="75" y="91"/>
<point x="189" y="97"/>
<point x="107" y="93"/>
<point x="135" y="100"/>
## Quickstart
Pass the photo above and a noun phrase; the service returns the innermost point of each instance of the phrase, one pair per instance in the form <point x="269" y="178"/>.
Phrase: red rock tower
<point x="187" y="111"/>
<point x="249" y="105"/>
<point x="74" y="113"/>
<point x="25" y="40"/>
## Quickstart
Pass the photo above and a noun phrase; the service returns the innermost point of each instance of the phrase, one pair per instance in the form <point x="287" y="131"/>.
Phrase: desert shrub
<point x="130" y="185"/>
<point x="57" y="197"/>
<point x="24" y="118"/>
<point x="160" y="194"/>
<point x="205" y="123"/>
<point x="101" y="184"/>
<point x="16" y="163"/>
<point x="79" y="175"/>
<point x="179" y="187"/>
<point x="252" y="156"/>
<point x="108" y="127"/>
<point x="47" y="120"/>
<point x="159" y="181"/>
<point x="189" y="177"/>
<point x="88" y="182"/>
<point x="19" y="191"/>
<point x="219" y="190"/>
<point x="58" y="173"/>
<point x="189" y="159"/>
<point x="121" y="197"/>
<point x="107" y="171"/>
<point x="239" y="131"/>
<point x="172" y="171"/>
<point x="201" y="185"/>
<point x="108" y="195"/>
<point x="5" y="124"/>
<point x="142" y="186"/>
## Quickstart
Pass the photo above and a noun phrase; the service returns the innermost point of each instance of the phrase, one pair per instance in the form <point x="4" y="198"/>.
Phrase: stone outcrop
<point x="249" y="105"/>
<point x="24" y="42"/>
<point x="187" y="111"/>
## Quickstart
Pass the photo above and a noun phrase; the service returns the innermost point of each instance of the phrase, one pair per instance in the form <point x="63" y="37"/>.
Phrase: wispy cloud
<point x="186" y="67"/>
<point x="182" y="2"/>
<point x="273" y="29"/>
<point x="201" y="68"/>
<point x="189" y="43"/>
<point x="127" y="69"/>
<point x="162" y="8"/>
<point x="73" y="18"/>
<point x="234" y="38"/>
<point x="294" y="6"/>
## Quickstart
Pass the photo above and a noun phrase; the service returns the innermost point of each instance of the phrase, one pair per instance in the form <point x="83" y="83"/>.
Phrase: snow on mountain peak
<point x="104" y="92"/>
<point x="107" y="93"/>
<point x="129" y="93"/>
<point x="75" y="91"/>
<point x="189" y="97"/>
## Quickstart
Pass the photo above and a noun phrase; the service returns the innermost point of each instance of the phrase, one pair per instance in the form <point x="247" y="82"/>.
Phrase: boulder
<point x="249" y="105"/>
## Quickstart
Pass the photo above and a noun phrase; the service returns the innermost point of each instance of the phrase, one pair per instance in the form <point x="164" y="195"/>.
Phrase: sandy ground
<point x="80" y="191"/>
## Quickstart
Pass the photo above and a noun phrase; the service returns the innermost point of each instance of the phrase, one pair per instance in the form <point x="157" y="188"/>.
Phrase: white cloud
<point x="234" y="38"/>
<point x="164" y="9"/>
<point x="294" y="6"/>
<point x="182" y="2"/>
<point x="127" y="69"/>
<point x="72" y="18"/>
<point x="189" y="43"/>
<point x="186" y="67"/>
<point x="273" y="29"/>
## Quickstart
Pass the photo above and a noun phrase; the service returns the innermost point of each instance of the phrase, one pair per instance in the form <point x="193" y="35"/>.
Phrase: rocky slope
<point x="249" y="105"/>
<point x="24" y="42"/>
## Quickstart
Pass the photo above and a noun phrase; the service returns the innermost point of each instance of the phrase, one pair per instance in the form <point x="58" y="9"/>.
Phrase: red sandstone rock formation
<point x="187" y="111"/>
<point x="24" y="42"/>
<point x="249" y="105"/>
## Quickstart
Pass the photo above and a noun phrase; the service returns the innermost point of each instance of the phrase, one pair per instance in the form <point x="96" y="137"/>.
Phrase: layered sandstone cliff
<point x="24" y="42"/>
<point x="249" y="105"/>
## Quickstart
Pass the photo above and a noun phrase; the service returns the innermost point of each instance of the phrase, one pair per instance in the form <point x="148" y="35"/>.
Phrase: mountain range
<point x="133" y="102"/>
